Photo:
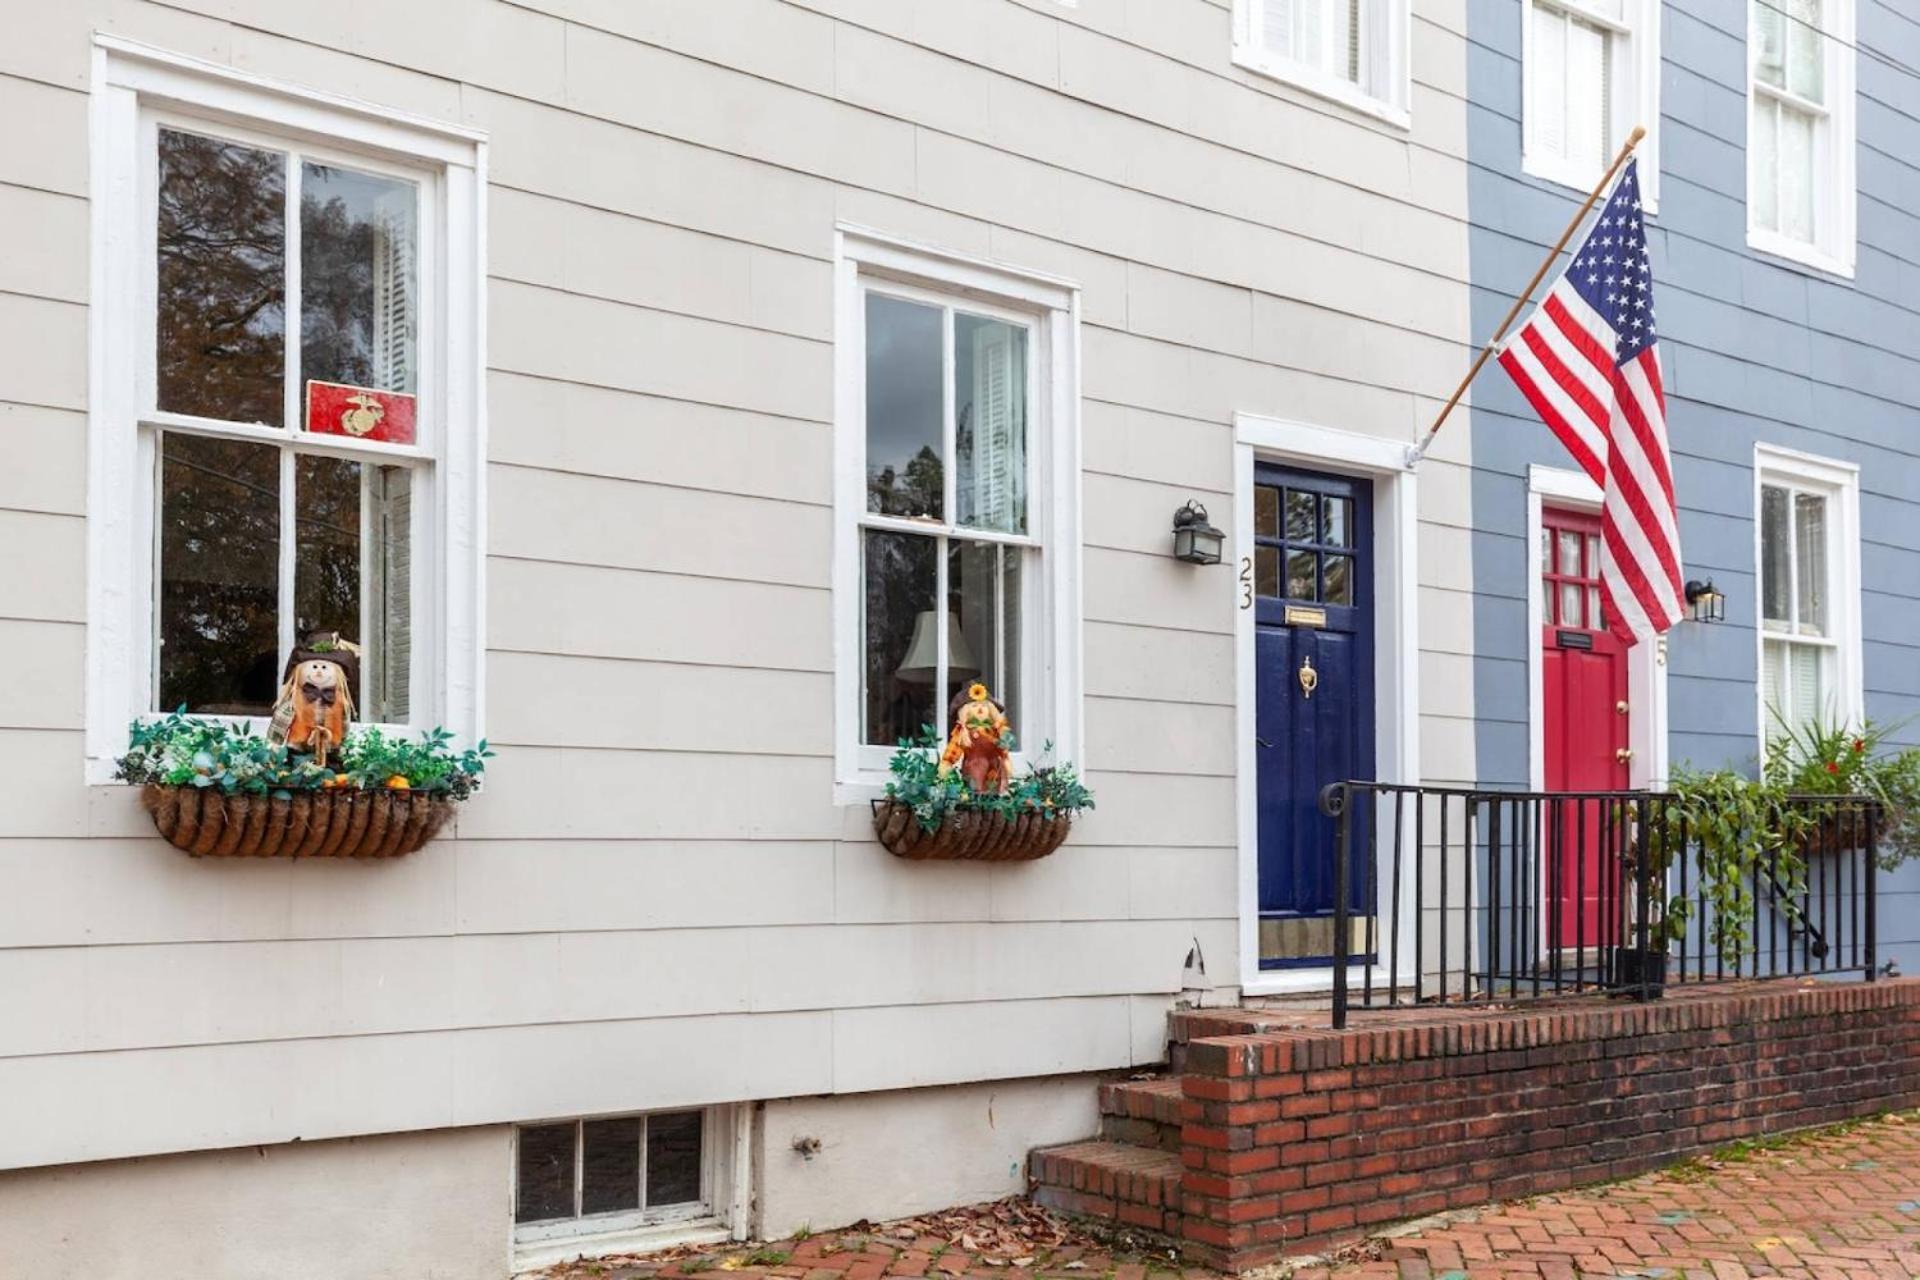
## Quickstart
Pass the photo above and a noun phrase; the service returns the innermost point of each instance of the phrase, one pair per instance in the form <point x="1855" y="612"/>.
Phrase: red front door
<point x="1584" y="683"/>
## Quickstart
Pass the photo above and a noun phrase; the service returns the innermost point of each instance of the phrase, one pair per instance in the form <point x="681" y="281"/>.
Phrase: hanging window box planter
<point x="957" y="800"/>
<point x="972" y="835"/>
<point x="302" y="824"/>
<point x="223" y="791"/>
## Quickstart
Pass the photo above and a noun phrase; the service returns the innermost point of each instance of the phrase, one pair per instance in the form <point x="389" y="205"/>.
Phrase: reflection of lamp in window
<point x="921" y="665"/>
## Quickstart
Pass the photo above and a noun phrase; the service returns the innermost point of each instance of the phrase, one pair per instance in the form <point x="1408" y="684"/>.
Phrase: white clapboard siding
<point x="656" y="873"/>
<point x="625" y="435"/>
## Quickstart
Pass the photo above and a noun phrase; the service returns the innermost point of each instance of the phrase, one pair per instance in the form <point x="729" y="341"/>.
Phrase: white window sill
<point x="861" y="789"/>
<point x="1798" y="253"/>
<point x="1580" y="179"/>
<point x="533" y="1255"/>
<point x="1321" y="85"/>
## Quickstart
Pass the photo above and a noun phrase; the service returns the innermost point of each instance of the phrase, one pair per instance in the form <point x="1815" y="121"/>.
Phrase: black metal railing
<point x="1467" y="895"/>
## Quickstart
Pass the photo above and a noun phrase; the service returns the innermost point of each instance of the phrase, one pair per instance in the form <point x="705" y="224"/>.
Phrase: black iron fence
<point x="1457" y="895"/>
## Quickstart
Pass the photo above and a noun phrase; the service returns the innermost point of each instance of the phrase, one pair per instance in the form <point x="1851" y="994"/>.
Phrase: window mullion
<point x="288" y="557"/>
<point x="1000" y="622"/>
<point x="641" y="1198"/>
<point x="949" y="428"/>
<point x="1793" y="562"/>
<point x="290" y="410"/>
<point x="579" y="1167"/>
<point x="940" y="625"/>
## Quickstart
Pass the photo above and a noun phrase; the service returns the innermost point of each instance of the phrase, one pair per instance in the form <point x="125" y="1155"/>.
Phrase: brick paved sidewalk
<point x="1841" y="1206"/>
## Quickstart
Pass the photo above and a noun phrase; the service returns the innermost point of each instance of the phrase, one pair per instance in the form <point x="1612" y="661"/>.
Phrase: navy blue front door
<point x="1313" y="620"/>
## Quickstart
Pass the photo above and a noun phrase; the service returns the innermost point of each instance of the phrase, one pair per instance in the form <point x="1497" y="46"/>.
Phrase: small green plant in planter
<point x="931" y="813"/>
<point x="180" y="750"/>
<point x="1821" y="759"/>
<point x="220" y="789"/>
<point x="919" y="784"/>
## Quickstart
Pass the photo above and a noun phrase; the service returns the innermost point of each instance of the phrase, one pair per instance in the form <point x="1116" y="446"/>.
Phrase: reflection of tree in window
<point x="915" y="492"/>
<point x="219" y="575"/>
<point x="900" y="639"/>
<point x="221" y="279"/>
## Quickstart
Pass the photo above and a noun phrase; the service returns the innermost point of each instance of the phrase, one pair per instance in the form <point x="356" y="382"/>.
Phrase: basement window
<point x="582" y="1177"/>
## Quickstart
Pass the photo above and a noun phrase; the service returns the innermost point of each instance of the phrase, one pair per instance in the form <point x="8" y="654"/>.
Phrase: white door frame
<point x="1396" y="648"/>
<point x="1646" y="663"/>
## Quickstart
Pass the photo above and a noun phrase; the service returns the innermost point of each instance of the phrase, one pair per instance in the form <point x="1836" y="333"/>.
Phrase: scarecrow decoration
<point x="316" y="699"/>
<point x="975" y="746"/>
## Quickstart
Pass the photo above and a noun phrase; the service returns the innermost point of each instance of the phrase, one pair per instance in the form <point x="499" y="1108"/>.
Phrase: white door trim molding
<point x="1259" y="438"/>
<point x="1646" y="663"/>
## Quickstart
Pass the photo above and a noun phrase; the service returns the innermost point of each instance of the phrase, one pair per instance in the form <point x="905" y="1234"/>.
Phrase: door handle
<point x="1623" y="754"/>
<point x="1261" y="741"/>
<point x="1620" y="707"/>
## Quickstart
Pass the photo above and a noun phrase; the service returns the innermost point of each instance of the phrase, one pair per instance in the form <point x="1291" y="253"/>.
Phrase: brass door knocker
<point x="1309" y="678"/>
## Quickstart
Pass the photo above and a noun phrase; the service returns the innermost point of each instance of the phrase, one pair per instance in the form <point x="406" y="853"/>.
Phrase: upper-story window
<point x="957" y="536"/>
<point x="1800" y="131"/>
<point x="1591" y="73"/>
<point x="1352" y="51"/>
<point x="287" y="402"/>
<point x="1809" y="593"/>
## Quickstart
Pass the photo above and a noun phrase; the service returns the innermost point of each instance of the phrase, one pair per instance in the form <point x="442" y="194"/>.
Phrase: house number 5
<point x="1246" y="582"/>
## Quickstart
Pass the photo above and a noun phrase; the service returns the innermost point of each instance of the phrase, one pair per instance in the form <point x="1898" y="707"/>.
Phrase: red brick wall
<point x="1297" y="1136"/>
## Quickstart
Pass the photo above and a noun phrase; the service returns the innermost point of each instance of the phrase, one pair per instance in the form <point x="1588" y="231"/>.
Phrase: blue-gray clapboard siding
<point x="1754" y="350"/>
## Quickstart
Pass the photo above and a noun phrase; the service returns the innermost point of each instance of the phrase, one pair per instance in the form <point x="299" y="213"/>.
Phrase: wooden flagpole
<point x="1419" y="451"/>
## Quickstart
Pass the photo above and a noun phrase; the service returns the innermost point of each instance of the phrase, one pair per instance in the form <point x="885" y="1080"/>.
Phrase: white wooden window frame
<point x="1839" y="483"/>
<point x="1633" y="71"/>
<point x="1385" y="88"/>
<point x="136" y="90"/>
<point x="868" y="260"/>
<point x="1833" y="248"/>
<point x="718" y="1216"/>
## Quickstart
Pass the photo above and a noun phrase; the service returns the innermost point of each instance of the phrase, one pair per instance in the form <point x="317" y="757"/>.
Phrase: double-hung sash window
<point x="278" y="268"/>
<point x="286" y="416"/>
<point x="1809" y="598"/>
<point x="1800" y="132"/>
<point x="957" y="541"/>
<point x="1352" y="51"/>
<point x="1591" y="72"/>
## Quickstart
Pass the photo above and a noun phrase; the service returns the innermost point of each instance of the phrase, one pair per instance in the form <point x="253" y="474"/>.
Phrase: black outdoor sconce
<point x="1707" y="603"/>
<point x="1194" y="540"/>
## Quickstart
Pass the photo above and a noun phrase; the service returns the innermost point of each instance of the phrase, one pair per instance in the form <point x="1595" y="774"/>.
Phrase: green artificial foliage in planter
<point x="186" y="751"/>
<point x="1820" y="759"/>
<point x="215" y="788"/>
<point x="930" y="814"/>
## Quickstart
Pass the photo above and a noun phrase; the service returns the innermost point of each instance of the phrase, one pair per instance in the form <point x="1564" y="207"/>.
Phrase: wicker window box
<point x="977" y="835"/>
<point x="344" y="823"/>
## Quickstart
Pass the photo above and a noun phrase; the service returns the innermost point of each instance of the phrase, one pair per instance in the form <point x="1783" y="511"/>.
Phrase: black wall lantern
<point x="1707" y="603"/>
<point x="1194" y="540"/>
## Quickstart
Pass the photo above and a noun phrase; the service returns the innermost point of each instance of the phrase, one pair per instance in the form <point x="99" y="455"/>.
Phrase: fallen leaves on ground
<point x="1013" y="1234"/>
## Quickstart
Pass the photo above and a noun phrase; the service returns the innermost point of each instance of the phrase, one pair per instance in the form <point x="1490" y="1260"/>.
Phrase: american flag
<point x="1588" y="362"/>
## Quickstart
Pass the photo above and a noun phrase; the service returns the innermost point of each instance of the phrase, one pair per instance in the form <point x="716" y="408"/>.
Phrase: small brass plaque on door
<point x="1301" y="616"/>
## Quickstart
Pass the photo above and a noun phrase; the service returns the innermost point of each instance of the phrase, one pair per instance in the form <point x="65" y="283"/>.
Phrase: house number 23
<point x="1246" y="582"/>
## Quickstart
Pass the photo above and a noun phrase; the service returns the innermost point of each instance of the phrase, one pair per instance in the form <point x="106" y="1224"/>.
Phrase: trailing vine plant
<point x="1740" y="831"/>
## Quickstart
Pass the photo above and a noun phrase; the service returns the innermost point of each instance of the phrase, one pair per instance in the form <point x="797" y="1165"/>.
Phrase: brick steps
<point x="1115" y="1181"/>
<point x="1142" y="1113"/>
